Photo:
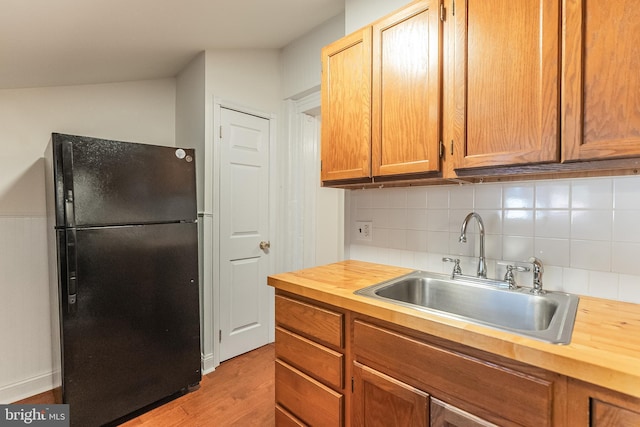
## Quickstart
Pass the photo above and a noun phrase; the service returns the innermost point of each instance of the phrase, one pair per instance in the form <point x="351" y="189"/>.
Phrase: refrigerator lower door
<point x="133" y="337"/>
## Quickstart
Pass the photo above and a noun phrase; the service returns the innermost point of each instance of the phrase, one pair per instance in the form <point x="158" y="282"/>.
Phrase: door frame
<point x="210" y="304"/>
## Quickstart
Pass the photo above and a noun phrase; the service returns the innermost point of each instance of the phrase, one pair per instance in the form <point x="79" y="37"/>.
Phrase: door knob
<point x="265" y="245"/>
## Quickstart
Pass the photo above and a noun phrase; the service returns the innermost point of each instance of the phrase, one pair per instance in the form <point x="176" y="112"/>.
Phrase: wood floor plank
<point x="240" y="392"/>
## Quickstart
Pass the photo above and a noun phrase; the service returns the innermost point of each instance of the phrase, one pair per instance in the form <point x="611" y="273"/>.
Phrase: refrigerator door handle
<point x="67" y="171"/>
<point x="72" y="271"/>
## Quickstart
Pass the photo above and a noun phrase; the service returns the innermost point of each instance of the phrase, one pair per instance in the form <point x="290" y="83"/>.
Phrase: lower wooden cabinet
<point x="310" y="363"/>
<point x="491" y="388"/>
<point x="310" y="401"/>
<point x="339" y="368"/>
<point x="380" y="400"/>
<point x="595" y="406"/>
<point x="445" y="415"/>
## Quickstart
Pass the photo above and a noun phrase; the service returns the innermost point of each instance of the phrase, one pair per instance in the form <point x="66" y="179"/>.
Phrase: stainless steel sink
<point x="548" y="317"/>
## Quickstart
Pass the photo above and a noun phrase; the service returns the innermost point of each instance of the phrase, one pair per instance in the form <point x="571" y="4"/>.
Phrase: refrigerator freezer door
<point x="111" y="182"/>
<point x="134" y="336"/>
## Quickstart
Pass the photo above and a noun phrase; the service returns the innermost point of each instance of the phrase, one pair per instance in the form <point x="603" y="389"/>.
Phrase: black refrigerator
<point x="124" y="275"/>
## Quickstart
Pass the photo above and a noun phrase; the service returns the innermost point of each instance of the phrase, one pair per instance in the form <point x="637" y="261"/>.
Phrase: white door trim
<point x="212" y="163"/>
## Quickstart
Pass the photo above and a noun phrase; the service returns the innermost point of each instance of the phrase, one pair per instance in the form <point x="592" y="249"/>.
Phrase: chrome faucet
<point x="537" y="276"/>
<point x="482" y="268"/>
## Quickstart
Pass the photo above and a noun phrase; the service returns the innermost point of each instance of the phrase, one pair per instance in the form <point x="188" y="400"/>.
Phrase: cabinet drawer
<point x="285" y="419"/>
<point x="519" y="397"/>
<point x="314" y="322"/>
<point x="316" y="360"/>
<point x="312" y="402"/>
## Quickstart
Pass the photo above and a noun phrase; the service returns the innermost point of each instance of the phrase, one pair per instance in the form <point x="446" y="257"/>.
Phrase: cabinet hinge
<point x="453" y="8"/>
<point x="219" y="335"/>
<point x="442" y="12"/>
<point x="441" y="149"/>
<point x="352" y="385"/>
<point x="220" y="132"/>
<point x="452" y="147"/>
<point x="320" y="165"/>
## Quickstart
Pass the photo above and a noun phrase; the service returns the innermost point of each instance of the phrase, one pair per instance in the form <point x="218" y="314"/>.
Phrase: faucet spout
<point x="482" y="268"/>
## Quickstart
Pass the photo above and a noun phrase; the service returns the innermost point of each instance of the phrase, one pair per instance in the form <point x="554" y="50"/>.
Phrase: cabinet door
<point x="598" y="407"/>
<point x="406" y="83"/>
<point x="600" y="80"/>
<point x="445" y="415"/>
<point x="379" y="400"/>
<point x="506" y="58"/>
<point x="346" y="108"/>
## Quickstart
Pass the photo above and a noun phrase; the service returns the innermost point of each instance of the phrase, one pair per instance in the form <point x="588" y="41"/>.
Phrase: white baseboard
<point x="208" y="364"/>
<point x="26" y="388"/>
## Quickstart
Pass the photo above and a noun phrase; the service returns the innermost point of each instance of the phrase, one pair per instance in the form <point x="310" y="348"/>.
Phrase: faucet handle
<point x="456" y="265"/>
<point x="509" y="277"/>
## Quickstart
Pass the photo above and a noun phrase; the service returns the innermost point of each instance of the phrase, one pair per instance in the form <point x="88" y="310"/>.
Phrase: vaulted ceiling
<point x="69" y="42"/>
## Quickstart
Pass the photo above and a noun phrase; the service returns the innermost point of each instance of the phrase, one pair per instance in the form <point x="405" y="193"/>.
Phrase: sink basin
<point x="548" y="317"/>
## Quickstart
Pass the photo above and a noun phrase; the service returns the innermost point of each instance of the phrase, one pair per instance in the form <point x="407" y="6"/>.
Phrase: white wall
<point x="301" y="61"/>
<point x="359" y="13"/>
<point x="246" y="77"/>
<point x="137" y="111"/>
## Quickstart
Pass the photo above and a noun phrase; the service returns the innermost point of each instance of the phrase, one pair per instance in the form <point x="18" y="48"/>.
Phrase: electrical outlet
<point x="364" y="230"/>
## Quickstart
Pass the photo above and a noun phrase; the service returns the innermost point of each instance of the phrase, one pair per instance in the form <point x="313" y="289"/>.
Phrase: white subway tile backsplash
<point x="493" y="246"/>
<point x="438" y="241"/>
<point x="438" y="197"/>
<point x="591" y="224"/>
<point x="518" y="196"/>
<point x="518" y="222"/>
<point x="362" y="199"/>
<point x="417" y="240"/>
<point x="553" y="194"/>
<point x="461" y="197"/>
<point x="416" y="219"/>
<point x="591" y="255"/>
<point x="626" y="193"/>
<point x="625" y="258"/>
<point x="603" y="285"/>
<point x="380" y="198"/>
<point x="552" y="279"/>
<point x="626" y="225"/>
<point x="396" y="198"/>
<point x="417" y="197"/>
<point x="397" y="239"/>
<point x="629" y="288"/>
<point x="553" y="251"/>
<point x="575" y="281"/>
<point x="553" y="223"/>
<point x="397" y="218"/>
<point x="492" y="220"/>
<point x="592" y="194"/>
<point x="488" y="196"/>
<point x="380" y="217"/>
<point x="437" y="220"/>
<point x="517" y="248"/>
<point x="585" y="231"/>
<point x="468" y="248"/>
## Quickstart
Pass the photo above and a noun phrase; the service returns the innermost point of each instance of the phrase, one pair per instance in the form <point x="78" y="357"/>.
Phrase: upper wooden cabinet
<point x="346" y="108"/>
<point x="601" y="80"/>
<point x="381" y="97"/>
<point x="505" y="82"/>
<point x="407" y="91"/>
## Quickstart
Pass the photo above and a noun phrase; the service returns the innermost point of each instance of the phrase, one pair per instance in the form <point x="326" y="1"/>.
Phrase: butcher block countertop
<point x="604" y="349"/>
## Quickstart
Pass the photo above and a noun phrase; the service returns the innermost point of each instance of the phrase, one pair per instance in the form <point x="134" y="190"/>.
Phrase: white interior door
<point x="244" y="223"/>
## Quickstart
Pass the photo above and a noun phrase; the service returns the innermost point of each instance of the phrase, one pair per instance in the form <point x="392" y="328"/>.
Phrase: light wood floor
<point x="240" y="392"/>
